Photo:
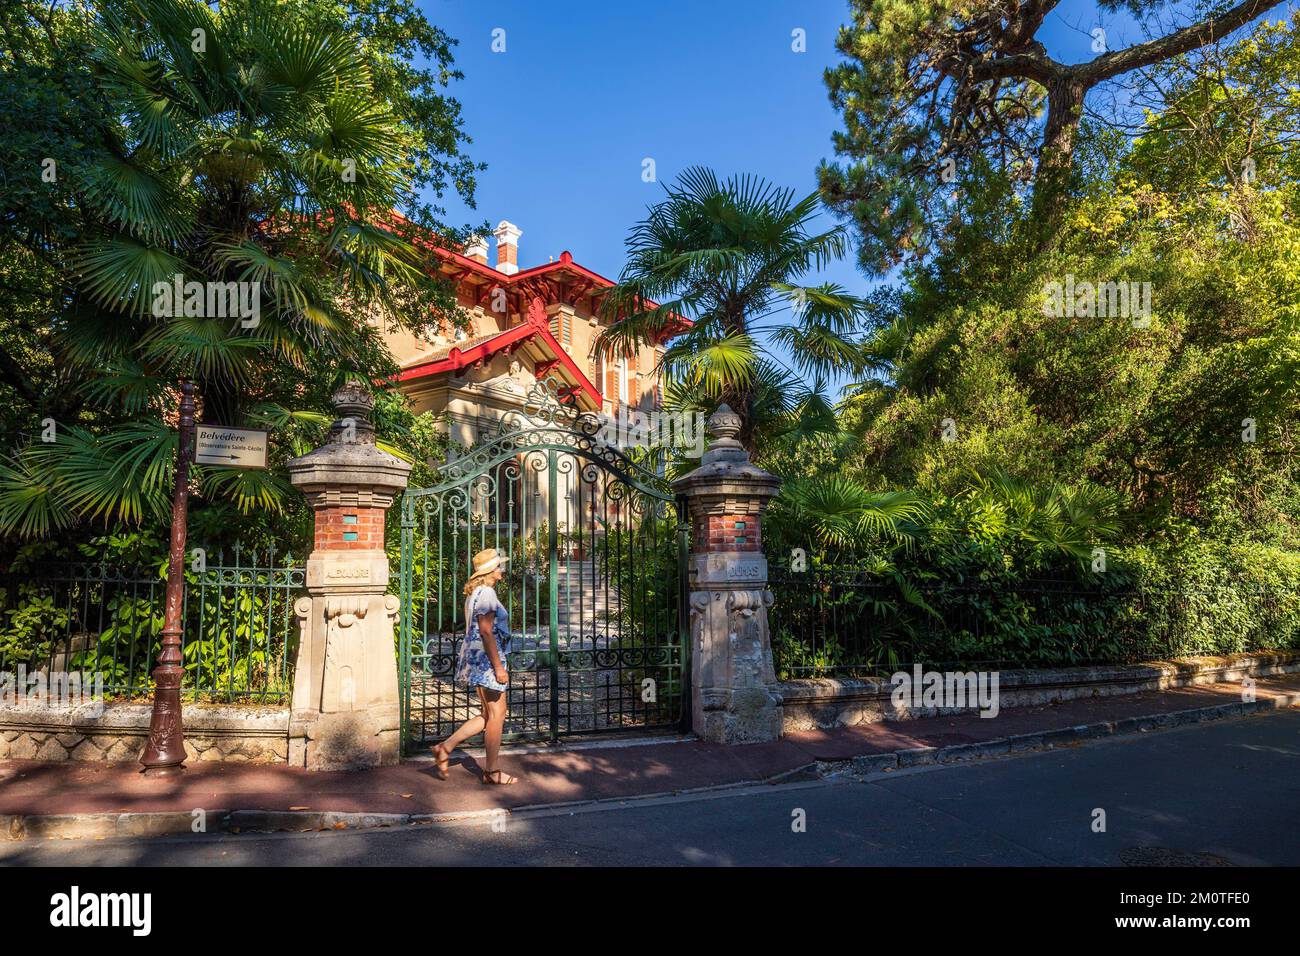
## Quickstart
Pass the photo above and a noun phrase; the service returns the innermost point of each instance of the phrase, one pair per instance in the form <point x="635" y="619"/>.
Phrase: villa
<point x="527" y="326"/>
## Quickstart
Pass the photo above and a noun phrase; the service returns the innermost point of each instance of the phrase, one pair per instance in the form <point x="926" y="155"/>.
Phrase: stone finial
<point x="350" y="469"/>
<point x="353" y="404"/>
<point x="724" y="445"/>
<point x="724" y="426"/>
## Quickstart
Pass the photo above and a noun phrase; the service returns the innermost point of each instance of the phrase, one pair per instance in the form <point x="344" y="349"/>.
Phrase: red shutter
<point x="611" y="384"/>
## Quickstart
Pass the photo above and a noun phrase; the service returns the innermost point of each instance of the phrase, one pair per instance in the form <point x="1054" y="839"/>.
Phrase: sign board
<point x="232" y="447"/>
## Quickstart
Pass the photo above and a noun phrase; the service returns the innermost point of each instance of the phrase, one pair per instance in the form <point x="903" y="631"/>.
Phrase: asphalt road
<point x="1222" y="793"/>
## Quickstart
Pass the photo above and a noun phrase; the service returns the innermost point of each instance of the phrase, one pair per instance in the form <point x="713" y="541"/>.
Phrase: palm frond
<point x="721" y="363"/>
<point x="250" y="491"/>
<point x="120" y="273"/>
<point x="843" y="512"/>
<point x="30" y="506"/>
<point x="135" y="199"/>
<point x="124" y="383"/>
<point x="124" y="475"/>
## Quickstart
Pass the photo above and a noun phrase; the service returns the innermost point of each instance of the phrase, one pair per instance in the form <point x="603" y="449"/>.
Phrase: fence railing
<point x="852" y="625"/>
<point x="239" y="631"/>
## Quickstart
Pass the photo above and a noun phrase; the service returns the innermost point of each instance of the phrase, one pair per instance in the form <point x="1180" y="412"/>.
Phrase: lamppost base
<point x="172" y="771"/>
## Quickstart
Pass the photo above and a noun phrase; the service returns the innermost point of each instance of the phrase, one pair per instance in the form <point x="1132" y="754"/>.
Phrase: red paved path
<point x="558" y="776"/>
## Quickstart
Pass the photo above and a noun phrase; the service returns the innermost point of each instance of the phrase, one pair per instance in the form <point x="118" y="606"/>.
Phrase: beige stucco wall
<point x="409" y="349"/>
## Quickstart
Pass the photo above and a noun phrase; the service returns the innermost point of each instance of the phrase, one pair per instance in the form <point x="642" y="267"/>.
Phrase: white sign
<point x="232" y="447"/>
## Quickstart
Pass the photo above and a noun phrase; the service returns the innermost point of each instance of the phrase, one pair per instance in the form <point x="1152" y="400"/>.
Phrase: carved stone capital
<point x="746" y="602"/>
<point x="345" y="610"/>
<point x="350" y="470"/>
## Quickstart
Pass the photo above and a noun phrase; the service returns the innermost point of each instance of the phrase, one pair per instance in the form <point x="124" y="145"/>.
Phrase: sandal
<point x="442" y="758"/>
<point x="494" y="778"/>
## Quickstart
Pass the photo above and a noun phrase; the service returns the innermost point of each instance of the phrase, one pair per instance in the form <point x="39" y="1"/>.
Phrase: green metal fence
<point x="239" y="638"/>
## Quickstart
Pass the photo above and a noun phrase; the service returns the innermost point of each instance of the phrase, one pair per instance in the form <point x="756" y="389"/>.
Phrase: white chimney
<point x="507" y="234"/>
<point x="476" y="249"/>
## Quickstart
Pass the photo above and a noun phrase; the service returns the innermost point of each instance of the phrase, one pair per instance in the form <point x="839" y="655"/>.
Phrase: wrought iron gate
<point x="595" y="584"/>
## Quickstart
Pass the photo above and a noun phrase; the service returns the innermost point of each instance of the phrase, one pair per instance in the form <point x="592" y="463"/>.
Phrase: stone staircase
<point x="586" y="603"/>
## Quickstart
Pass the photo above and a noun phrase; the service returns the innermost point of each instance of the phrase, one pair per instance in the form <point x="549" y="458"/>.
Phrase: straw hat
<point x="487" y="561"/>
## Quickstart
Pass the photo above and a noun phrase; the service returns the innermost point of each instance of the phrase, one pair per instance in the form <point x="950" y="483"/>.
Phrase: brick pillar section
<point x="345" y="528"/>
<point x="345" y="713"/>
<point x="734" y="698"/>
<point x="728" y="533"/>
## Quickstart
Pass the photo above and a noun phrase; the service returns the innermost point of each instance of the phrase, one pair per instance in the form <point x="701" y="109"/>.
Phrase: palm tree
<point x="240" y="142"/>
<point x="729" y="256"/>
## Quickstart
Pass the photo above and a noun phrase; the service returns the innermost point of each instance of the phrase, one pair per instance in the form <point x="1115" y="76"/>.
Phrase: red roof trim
<point x="505" y="340"/>
<point x="572" y="367"/>
<point x="459" y="359"/>
<point x="566" y="262"/>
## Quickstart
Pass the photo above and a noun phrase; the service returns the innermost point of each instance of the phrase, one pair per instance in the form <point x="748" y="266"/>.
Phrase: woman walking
<point x="482" y="665"/>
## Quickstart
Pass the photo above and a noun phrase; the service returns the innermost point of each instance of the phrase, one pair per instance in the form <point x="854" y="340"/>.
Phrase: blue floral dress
<point x="473" y="666"/>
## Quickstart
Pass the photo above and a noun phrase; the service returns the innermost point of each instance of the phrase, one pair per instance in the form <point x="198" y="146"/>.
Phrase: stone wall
<point x="119" y="732"/>
<point x="830" y="702"/>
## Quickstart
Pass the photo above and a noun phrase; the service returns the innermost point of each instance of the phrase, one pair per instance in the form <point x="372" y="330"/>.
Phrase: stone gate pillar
<point x="733" y="684"/>
<point x="346" y="710"/>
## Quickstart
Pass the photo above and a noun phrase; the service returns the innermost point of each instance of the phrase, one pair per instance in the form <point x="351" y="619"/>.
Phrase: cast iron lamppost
<point x="164" y="755"/>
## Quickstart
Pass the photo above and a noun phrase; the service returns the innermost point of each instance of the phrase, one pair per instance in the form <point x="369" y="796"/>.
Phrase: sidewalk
<point x="48" y="799"/>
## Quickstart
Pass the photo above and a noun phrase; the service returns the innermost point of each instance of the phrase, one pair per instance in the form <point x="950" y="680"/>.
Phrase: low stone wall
<point x="830" y="702"/>
<point x="118" y="733"/>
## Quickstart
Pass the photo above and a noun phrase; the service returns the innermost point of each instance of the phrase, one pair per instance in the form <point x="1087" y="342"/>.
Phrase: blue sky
<point x="586" y="90"/>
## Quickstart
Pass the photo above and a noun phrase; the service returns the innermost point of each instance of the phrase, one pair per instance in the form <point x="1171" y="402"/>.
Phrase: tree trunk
<point x="1055" y="157"/>
<point x="11" y="372"/>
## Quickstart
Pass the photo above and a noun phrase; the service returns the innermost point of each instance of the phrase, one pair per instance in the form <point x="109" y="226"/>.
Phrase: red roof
<point x="560" y="281"/>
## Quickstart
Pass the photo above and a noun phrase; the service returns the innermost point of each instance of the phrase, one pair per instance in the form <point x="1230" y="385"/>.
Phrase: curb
<point x="869" y="764"/>
<point x="15" y="827"/>
<point x="103" y="826"/>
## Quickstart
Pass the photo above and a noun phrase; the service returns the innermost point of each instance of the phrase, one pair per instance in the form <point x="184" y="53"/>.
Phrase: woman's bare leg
<point x="494" y="706"/>
<point x="468" y="729"/>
